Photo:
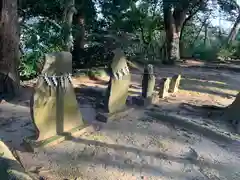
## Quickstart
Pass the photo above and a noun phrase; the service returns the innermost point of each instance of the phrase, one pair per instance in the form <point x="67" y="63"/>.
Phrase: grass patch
<point x="97" y="137"/>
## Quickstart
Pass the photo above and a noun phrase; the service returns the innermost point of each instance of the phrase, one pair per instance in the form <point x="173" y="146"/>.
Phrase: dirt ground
<point x="137" y="146"/>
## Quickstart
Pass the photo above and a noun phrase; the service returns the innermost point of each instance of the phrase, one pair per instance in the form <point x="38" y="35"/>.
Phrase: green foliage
<point x="29" y="65"/>
<point x="143" y="23"/>
<point x="38" y="38"/>
<point x="42" y="29"/>
<point x="226" y="53"/>
<point x="205" y="53"/>
<point x="97" y="73"/>
<point x="138" y="28"/>
<point x="53" y="9"/>
<point x="232" y="51"/>
<point x="230" y="7"/>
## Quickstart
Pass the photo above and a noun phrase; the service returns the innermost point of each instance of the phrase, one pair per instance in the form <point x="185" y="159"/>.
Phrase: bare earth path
<point x="136" y="146"/>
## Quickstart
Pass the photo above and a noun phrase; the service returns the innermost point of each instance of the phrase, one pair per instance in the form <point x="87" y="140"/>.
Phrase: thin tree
<point x="232" y="8"/>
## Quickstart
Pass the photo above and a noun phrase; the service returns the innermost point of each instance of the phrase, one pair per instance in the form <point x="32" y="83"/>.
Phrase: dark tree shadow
<point x="22" y="99"/>
<point x="7" y="165"/>
<point x="219" y="66"/>
<point x="213" y="114"/>
<point x="26" y="93"/>
<point x="120" y="161"/>
<point x="10" y="92"/>
<point x="205" y="130"/>
<point x="92" y="95"/>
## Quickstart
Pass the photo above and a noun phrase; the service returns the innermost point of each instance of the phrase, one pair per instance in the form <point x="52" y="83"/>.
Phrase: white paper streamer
<point x="120" y="75"/>
<point x="69" y="78"/>
<point x="62" y="80"/>
<point x="54" y="79"/>
<point x="46" y="78"/>
<point x="115" y="75"/>
<point x="124" y="71"/>
<point x="127" y="69"/>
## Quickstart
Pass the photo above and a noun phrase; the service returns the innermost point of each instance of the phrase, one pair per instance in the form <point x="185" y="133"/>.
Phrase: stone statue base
<point x="141" y="101"/>
<point x="31" y="144"/>
<point x="105" y="117"/>
<point x="163" y="87"/>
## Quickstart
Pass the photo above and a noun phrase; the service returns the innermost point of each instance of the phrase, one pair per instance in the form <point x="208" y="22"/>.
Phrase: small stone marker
<point x="174" y="84"/>
<point x="54" y="107"/>
<point x="117" y="91"/>
<point x="164" y="87"/>
<point x="230" y="113"/>
<point x="140" y="101"/>
<point x="148" y="82"/>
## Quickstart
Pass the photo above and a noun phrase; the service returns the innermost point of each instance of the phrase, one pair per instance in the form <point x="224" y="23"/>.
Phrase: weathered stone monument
<point x="10" y="168"/>
<point x="148" y="81"/>
<point x="230" y="113"/>
<point x="174" y="83"/>
<point x="117" y="90"/>
<point x="148" y="84"/>
<point x="54" y="107"/>
<point x="163" y="87"/>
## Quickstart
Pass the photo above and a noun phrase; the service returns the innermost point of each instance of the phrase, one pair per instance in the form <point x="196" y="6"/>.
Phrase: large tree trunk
<point x="173" y="21"/>
<point x="9" y="49"/>
<point x="234" y="30"/>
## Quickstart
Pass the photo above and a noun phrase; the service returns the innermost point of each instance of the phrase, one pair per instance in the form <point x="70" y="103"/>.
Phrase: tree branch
<point x="198" y="3"/>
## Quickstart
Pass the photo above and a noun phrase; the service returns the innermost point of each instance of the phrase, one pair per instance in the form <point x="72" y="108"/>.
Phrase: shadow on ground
<point x="209" y="87"/>
<point x="23" y="99"/>
<point x="219" y="137"/>
<point x="119" y="160"/>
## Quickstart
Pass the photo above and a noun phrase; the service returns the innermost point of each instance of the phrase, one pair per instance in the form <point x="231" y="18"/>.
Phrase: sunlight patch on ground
<point x="133" y="91"/>
<point x="202" y="80"/>
<point x="213" y="90"/>
<point x="190" y="92"/>
<point x="200" y="86"/>
<point x="227" y="91"/>
<point x="97" y="137"/>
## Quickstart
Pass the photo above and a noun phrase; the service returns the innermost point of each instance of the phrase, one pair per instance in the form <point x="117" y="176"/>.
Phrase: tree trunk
<point x="173" y="22"/>
<point x="70" y="10"/>
<point x="205" y="34"/>
<point x="78" y="53"/>
<point x="234" y="30"/>
<point x="9" y="49"/>
<point x="79" y="37"/>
